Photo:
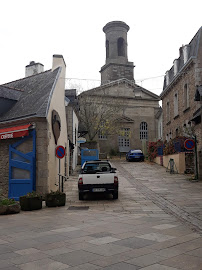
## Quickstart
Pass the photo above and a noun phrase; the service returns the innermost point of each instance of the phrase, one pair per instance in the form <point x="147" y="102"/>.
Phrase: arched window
<point x="107" y="48"/>
<point x="120" y="45"/>
<point x="143" y="131"/>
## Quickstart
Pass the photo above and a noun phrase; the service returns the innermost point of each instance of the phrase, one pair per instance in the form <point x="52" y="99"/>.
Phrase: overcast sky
<point x="35" y="30"/>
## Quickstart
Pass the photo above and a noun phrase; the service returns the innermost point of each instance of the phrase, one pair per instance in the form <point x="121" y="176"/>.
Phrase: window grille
<point x="102" y="133"/>
<point x="143" y="131"/>
<point x="124" y="140"/>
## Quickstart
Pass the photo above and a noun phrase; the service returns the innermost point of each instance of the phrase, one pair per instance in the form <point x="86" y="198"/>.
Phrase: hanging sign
<point x="60" y="151"/>
<point x="189" y="144"/>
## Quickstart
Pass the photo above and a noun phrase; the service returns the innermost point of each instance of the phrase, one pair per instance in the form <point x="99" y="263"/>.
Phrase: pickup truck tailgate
<point x="98" y="178"/>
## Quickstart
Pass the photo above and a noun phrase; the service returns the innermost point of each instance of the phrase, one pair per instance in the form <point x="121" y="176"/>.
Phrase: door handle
<point x="98" y="176"/>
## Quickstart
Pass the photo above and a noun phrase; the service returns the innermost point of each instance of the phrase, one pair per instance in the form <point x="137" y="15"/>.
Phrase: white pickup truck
<point x="98" y="176"/>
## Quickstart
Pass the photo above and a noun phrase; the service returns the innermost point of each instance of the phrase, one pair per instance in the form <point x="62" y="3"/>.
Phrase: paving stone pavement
<point x="154" y="225"/>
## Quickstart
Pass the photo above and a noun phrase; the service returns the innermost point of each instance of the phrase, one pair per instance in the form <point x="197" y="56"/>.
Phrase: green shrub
<point x="7" y="201"/>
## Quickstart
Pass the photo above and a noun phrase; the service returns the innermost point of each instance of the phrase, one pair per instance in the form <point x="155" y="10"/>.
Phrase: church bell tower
<point x="116" y="64"/>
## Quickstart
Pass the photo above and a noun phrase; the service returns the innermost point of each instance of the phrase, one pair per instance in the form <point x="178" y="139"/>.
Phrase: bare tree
<point x="98" y="114"/>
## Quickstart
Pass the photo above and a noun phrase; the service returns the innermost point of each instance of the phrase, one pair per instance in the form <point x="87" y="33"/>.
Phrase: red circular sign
<point x="60" y="151"/>
<point x="189" y="144"/>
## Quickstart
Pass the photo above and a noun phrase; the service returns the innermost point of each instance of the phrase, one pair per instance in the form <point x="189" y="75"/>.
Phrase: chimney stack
<point x="33" y="69"/>
<point x="186" y="50"/>
<point x="176" y="66"/>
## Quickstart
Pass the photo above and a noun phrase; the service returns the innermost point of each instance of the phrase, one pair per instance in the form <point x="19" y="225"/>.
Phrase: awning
<point x="14" y="132"/>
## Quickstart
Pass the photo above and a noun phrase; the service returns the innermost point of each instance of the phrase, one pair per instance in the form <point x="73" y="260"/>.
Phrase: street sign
<point x="81" y="140"/>
<point x="189" y="144"/>
<point x="60" y="151"/>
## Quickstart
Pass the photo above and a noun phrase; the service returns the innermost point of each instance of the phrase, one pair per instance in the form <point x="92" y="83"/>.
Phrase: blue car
<point x="135" y="155"/>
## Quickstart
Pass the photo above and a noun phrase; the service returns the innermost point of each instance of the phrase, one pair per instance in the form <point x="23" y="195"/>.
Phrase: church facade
<point x="124" y="113"/>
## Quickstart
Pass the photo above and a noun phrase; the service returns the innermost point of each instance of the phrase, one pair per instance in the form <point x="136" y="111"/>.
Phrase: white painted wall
<point x="75" y="138"/>
<point x="57" y="103"/>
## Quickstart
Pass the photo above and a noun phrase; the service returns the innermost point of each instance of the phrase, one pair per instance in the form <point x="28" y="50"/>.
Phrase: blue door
<point x="22" y="168"/>
<point x="89" y="154"/>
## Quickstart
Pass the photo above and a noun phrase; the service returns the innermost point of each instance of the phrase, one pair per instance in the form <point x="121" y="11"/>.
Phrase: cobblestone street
<point x="156" y="224"/>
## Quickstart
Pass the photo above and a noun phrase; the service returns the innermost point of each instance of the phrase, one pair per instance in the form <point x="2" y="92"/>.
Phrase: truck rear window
<point x="96" y="167"/>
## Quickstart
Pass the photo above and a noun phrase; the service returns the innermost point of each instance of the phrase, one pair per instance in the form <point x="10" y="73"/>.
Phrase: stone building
<point x="119" y="102"/>
<point x="32" y="124"/>
<point x="181" y="110"/>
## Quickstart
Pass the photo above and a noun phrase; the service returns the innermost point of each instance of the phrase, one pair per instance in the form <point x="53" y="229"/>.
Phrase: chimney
<point x="167" y="77"/>
<point x="33" y="69"/>
<point x="58" y="61"/>
<point x="186" y="50"/>
<point x="176" y="66"/>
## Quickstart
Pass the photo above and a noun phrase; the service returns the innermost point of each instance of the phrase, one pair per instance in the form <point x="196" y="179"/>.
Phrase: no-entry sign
<point x="60" y="151"/>
<point x="189" y="144"/>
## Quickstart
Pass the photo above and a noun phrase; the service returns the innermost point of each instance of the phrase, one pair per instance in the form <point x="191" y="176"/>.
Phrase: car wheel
<point x="80" y="196"/>
<point x="115" y="195"/>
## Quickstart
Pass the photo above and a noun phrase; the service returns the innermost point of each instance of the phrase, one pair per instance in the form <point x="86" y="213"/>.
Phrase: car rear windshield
<point x="136" y="151"/>
<point x="96" y="167"/>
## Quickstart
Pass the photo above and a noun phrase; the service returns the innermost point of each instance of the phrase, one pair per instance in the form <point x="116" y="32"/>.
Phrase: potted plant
<point x="55" y="198"/>
<point x="9" y="206"/>
<point x="31" y="201"/>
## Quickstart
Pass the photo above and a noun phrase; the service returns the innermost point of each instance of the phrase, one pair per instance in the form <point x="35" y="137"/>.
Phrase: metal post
<point x="62" y="183"/>
<point x="59" y="174"/>
<point x="196" y="159"/>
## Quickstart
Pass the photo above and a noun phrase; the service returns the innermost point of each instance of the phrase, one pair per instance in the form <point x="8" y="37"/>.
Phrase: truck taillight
<point x="116" y="180"/>
<point x="80" y="182"/>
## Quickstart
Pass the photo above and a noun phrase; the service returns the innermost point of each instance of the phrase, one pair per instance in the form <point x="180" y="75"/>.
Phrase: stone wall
<point x="189" y="163"/>
<point x="182" y="121"/>
<point x="184" y="114"/>
<point x="114" y="72"/>
<point x="184" y="162"/>
<point x="4" y="165"/>
<point x="41" y="158"/>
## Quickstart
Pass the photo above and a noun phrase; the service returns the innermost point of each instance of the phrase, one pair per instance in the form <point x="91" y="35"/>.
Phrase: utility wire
<point x="138" y="80"/>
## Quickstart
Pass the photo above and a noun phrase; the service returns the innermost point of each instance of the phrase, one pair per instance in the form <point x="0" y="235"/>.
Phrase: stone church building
<point x="126" y="113"/>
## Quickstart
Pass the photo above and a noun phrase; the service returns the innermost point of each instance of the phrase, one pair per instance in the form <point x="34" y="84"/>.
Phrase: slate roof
<point x="32" y="93"/>
<point x="193" y="52"/>
<point x="10" y="93"/>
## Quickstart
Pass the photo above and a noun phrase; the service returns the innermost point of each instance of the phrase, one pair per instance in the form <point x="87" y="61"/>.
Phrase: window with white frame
<point x="168" y="111"/>
<point x="124" y="140"/>
<point x="186" y="96"/>
<point x="102" y="134"/>
<point x="143" y="131"/>
<point x="175" y="104"/>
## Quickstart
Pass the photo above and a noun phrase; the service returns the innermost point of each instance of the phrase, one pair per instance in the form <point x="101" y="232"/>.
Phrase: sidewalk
<point x="131" y="233"/>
